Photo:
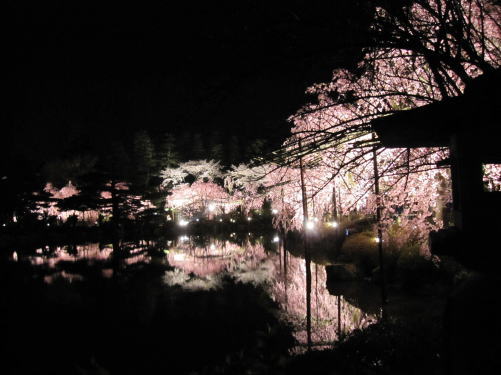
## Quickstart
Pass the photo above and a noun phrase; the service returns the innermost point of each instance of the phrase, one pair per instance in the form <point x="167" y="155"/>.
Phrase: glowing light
<point x="197" y="219"/>
<point x="179" y="256"/>
<point x="212" y="207"/>
<point x="213" y="247"/>
<point x="169" y="218"/>
<point x="48" y="224"/>
<point x="276" y="239"/>
<point x="377" y="239"/>
<point x="183" y="223"/>
<point x="14" y="256"/>
<point x="4" y="225"/>
<point x="220" y="220"/>
<point x="315" y="219"/>
<point x="249" y="218"/>
<point x="183" y="238"/>
<point x="334" y="224"/>
<point x="310" y="225"/>
<point x="274" y="211"/>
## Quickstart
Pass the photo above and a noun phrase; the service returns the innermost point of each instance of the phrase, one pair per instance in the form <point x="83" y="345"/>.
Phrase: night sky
<point x="82" y="72"/>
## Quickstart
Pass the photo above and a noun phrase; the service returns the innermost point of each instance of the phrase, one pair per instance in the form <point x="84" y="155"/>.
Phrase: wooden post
<point x="379" y="230"/>
<point x="307" y="258"/>
<point x="339" y="332"/>
<point x="334" y="203"/>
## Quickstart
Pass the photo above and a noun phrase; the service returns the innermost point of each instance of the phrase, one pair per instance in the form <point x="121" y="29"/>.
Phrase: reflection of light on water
<point x="90" y="252"/>
<point x="202" y="268"/>
<point x="183" y="223"/>
<point x="291" y="295"/>
<point x="107" y="272"/>
<point x="50" y="257"/>
<point x="49" y="279"/>
<point x="219" y="256"/>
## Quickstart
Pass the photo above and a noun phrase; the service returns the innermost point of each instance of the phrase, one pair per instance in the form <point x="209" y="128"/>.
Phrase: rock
<point x="341" y="272"/>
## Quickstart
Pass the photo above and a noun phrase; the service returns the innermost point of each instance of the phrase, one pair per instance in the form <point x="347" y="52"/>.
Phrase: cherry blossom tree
<point x="196" y="188"/>
<point x="421" y="52"/>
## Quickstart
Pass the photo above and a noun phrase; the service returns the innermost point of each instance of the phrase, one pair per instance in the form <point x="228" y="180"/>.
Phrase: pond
<point x="117" y="287"/>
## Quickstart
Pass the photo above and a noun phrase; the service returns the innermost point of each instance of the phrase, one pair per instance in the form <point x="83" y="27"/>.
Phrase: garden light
<point x="310" y="225"/>
<point x="179" y="256"/>
<point x="183" y="223"/>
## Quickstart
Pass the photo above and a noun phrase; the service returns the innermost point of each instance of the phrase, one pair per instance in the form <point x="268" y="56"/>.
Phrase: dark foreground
<point x="127" y="320"/>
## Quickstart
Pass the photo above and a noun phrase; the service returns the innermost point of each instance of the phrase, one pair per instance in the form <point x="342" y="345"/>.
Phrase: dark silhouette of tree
<point x="143" y="159"/>
<point x="233" y="151"/>
<point x="167" y="155"/>
<point x="198" y="150"/>
<point x="215" y="146"/>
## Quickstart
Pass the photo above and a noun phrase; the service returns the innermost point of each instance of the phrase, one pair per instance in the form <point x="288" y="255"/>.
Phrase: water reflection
<point x="284" y="276"/>
<point x="208" y="257"/>
<point x="201" y="263"/>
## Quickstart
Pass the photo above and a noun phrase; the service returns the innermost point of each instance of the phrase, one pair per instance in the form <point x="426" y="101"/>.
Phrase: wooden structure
<point x="469" y="125"/>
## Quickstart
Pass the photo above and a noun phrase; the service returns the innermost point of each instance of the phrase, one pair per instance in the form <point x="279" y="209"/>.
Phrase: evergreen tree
<point x="255" y="148"/>
<point x="233" y="153"/>
<point x="144" y="162"/>
<point x="167" y="155"/>
<point x="197" y="148"/>
<point x="215" y="146"/>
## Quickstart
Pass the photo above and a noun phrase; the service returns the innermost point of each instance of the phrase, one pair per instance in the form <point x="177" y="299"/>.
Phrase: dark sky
<point x="80" y="69"/>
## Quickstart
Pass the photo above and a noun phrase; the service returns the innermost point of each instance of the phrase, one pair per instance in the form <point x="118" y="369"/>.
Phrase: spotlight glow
<point x="179" y="256"/>
<point x="310" y="225"/>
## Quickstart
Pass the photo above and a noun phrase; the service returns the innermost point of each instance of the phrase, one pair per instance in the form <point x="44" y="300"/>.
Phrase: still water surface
<point x="200" y="263"/>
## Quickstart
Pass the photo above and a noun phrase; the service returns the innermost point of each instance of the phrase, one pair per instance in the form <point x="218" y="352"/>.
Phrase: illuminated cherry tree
<point x="196" y="188"/>
<point x="421" y="52"/>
